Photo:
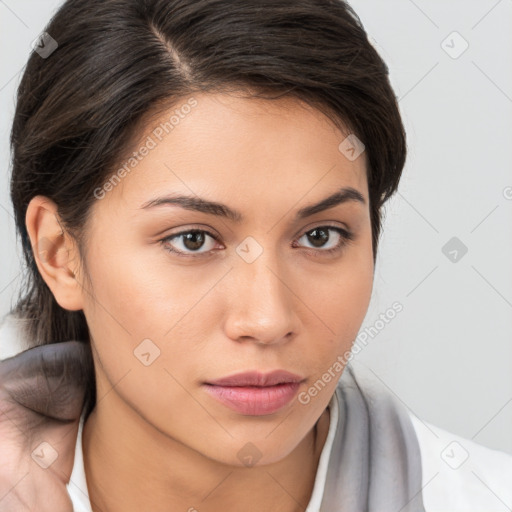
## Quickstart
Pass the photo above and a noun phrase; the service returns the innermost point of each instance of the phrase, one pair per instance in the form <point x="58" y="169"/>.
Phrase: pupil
<point x="323" y="238"/>
<point x="196" y="239"/>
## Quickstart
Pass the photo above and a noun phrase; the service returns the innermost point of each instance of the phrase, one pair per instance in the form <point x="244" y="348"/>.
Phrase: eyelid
<point x="346" y="234"/>
<point x="325" y="224"/>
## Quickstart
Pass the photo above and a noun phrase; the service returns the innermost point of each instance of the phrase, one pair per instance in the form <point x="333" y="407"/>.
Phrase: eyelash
<point x="346" y="237"/>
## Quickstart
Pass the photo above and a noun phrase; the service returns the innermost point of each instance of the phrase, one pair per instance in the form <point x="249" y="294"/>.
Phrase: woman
<point x="198" y="186"/>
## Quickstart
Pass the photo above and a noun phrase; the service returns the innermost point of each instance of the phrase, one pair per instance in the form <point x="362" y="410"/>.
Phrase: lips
<point x="254" y="378"/>
<point x="255" y="393"/>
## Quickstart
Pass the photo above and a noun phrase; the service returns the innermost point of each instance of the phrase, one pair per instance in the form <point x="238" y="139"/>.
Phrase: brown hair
<point x="116" y="61"/>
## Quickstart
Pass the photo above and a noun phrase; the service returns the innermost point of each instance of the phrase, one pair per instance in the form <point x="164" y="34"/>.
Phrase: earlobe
<point x="55" y="253"/>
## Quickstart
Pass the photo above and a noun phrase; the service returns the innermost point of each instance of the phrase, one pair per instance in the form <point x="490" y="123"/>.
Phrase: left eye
<point x="194" y="239"/>
<point x="320" y="235"/>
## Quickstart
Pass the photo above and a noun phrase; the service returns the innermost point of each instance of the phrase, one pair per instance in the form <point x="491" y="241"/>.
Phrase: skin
<point x="156" y="440"/>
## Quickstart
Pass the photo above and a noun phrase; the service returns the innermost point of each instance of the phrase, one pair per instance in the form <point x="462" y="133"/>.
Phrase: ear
<point x="55" y="253"/>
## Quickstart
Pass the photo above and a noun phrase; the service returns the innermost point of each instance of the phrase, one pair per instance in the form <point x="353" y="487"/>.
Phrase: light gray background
<point x="448" y="355"/>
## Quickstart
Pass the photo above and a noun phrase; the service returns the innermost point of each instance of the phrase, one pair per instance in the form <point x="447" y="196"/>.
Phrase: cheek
<point x="140" y="304"/>
<point x="130" y="288"/>
<point x="339" y="301"/>
<point x="342" y="292"/>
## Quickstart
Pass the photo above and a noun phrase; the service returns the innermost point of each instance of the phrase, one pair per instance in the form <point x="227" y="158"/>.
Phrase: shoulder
<point x="460" y="475"/>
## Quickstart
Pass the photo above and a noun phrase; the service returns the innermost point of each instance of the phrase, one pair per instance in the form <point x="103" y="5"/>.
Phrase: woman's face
<point x="169" y="310"/>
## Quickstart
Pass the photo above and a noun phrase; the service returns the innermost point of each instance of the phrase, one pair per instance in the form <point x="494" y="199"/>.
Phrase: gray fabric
<point x="375" y="462"/>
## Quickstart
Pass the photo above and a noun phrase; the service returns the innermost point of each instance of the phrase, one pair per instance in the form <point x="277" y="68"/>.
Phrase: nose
<point x="263" y="303"/>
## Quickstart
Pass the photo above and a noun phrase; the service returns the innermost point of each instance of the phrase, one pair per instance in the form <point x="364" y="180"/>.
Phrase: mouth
<point x="254" y="393"/>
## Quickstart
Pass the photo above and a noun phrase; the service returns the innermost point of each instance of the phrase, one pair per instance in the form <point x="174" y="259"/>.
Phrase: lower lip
<point x="254" y="401"/>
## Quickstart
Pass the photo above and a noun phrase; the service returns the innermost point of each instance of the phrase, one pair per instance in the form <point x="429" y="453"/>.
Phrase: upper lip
<point x="255" y="378"/>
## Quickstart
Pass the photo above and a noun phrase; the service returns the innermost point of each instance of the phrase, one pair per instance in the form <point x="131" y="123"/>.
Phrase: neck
<point x="131" y="466"/>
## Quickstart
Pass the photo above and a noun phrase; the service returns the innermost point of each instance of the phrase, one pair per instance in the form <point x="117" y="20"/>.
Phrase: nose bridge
<point x="262" y="305"/>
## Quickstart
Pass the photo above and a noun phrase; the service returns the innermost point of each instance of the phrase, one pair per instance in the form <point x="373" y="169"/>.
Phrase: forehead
<point x="229" y="145"/>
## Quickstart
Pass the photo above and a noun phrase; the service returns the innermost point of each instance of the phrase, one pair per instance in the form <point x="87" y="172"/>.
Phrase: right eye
<point x="190" y="240"/>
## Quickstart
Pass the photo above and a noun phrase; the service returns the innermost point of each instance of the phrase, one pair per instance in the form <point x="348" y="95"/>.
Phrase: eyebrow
<point x="199" y="204"/>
